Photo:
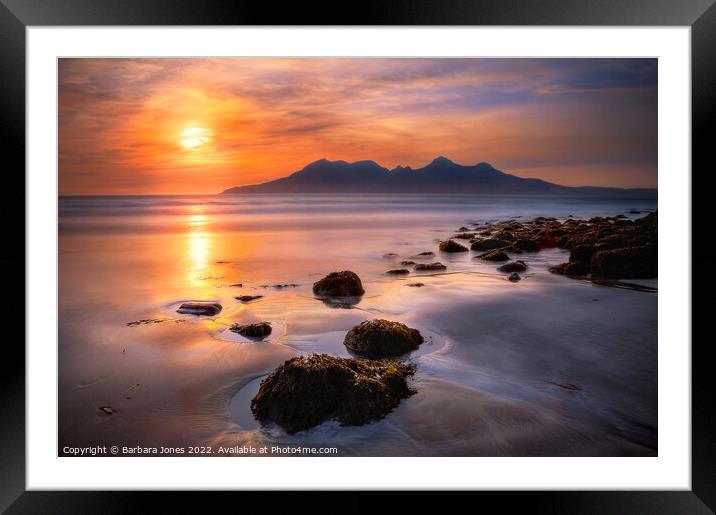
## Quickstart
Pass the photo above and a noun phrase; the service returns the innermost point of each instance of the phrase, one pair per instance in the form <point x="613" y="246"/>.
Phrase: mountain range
<point x="440" y="176"/>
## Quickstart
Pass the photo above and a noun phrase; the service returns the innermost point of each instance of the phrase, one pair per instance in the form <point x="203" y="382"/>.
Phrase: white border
<point x="671" y="470"/>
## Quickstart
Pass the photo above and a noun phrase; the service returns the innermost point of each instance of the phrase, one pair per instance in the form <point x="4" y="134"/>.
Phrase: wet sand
<point x="545" y="366"/>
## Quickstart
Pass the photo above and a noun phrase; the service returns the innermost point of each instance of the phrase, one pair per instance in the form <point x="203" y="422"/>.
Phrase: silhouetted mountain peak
<point x="441" y="161"/>
<point x="440" y="176"/>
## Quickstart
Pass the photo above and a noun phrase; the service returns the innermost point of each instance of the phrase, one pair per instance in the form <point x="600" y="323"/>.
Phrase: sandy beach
<point x="549" y="365"/>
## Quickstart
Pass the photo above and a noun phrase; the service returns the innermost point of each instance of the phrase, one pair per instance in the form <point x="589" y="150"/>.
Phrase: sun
<point x="193" y="138"/>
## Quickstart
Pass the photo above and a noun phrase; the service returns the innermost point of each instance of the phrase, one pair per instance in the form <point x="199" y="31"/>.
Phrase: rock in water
<point x="452" y="246"/>
<point x="490" y="244"/>
<point x="339" y="284"/>
<point x="308" y="390"/>
<point x="629" y="262"/>
<point x="248" y="298"/>
<point x="513" y="266"/>
<point x="382" y="338"/>
<point x="527" y="245"/>
<point x="200" y="308"/>
<point x="429" y="267"/>
<point x="398" y="271"/>
<point x="257" y="330"/>
<point x="514" y="277"/>
<point x="494" y="255"/>
<point x="571" y="269"/>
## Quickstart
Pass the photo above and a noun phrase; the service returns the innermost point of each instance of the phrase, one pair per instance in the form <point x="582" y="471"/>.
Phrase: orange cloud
<point x="122" y="120"/>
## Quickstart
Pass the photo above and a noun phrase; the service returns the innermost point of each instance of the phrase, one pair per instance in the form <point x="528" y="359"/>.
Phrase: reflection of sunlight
<point x="198" y="248"/>
<point x="197" y="220"/>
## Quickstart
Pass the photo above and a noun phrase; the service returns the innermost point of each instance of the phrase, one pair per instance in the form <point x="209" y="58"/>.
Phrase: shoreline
<point x="461" y="292"/>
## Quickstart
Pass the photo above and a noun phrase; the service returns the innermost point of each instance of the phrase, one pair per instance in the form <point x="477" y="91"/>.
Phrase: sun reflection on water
<point x="198" y="248"/>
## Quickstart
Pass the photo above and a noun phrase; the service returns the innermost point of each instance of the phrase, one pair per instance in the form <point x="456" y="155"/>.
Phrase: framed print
<point x="427" y="248"/>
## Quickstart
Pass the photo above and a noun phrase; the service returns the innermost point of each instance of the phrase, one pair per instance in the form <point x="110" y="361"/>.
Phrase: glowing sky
<point x="160" y="126"/>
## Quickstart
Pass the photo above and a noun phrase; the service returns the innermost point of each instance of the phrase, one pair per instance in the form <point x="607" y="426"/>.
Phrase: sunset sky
<point x="162" y="126"/>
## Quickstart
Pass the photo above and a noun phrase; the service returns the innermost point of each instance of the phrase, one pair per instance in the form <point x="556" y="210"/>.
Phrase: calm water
<point x="488" y="377"/>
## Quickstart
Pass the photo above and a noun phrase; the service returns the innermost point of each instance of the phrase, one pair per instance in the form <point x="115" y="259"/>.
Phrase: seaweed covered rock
<point x="582" y="253"/>
<point x="339" y="284"/>
<point x="429" y="267"/>
<point x="490" y="244"/>
<point x="527" y="245"/>
<point x="200" y="308"/>
<point x="382" y="338"/>
<point x="308" y="390"/>
<point x="494" y="255"/>
<point x="258" y="330"/>
<point x="452" y="246"/>
<point x="574" y="269"/>
<point x="513" y="266"/>
<point x="248" y="298"/>
<point x="628" y="262"/>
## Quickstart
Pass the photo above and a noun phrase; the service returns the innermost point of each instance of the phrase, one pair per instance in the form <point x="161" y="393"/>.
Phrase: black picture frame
<point x="17" y="15"/>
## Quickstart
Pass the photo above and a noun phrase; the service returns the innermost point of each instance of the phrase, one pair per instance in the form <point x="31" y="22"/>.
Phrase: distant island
<point x="440" y="176"/>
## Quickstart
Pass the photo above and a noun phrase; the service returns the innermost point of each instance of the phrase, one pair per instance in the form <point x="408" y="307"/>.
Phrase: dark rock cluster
<point x="601" y="247"/>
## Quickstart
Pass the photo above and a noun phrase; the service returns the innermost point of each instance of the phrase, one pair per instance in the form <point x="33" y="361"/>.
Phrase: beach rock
<point x="451" y="246"/>
<point x="257" y="330"/>
<point x="416" y="285"/>
<point x="308" y="390"/>
<point x="490" y="244"/>
<point x="514" y="277"/>
<point x="464" y="236"/>
<point x="147" y="321"/>
<point x="506" y="235"/>
<point x="248" y="298"/>
<point x="407" y="263"/>
<point x="421" y="267"/>
<point x="629" y="262"/>
<point x="513" y="266"/>
<point x="398" y="271"/>
<point x="494" y="255"/>
<point x="571" y="269"/>
<point x="339" y="284"/>
<point x="380" y="338"/>
<point x="425" y="254"/>
<point x="527" y="245"/>
<point x="581" y="253"/>
<point x="200" y="308"/>
<point x="390" y="255"/>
